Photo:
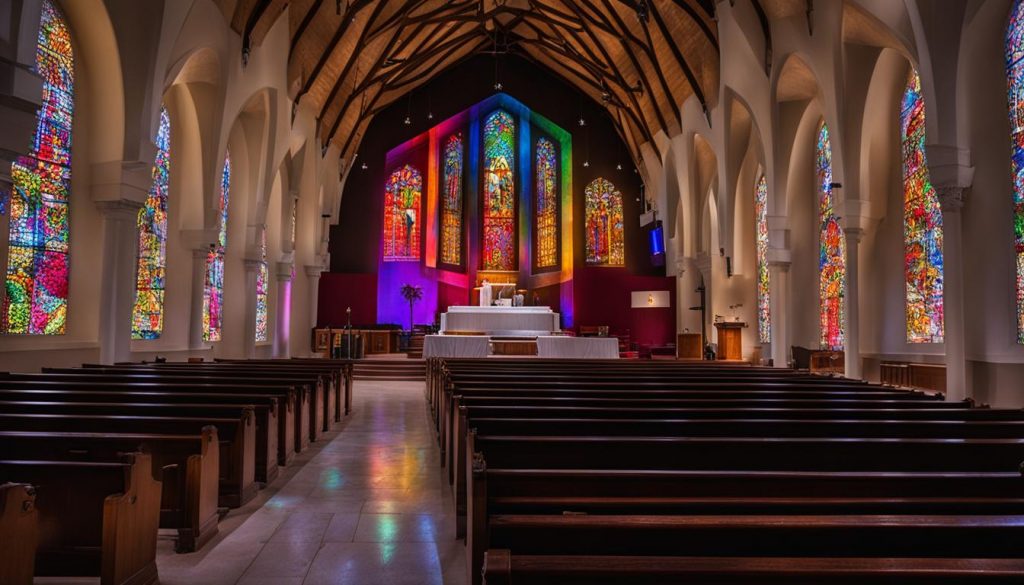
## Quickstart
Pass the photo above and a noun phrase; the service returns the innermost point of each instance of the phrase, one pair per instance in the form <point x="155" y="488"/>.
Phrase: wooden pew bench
<point x="19" y="533"/>
<point x="96" y="519"/>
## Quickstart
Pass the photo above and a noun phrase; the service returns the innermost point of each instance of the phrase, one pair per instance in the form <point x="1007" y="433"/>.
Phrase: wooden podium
<point x="689" y="346"/>
<point x="730" y="340"/>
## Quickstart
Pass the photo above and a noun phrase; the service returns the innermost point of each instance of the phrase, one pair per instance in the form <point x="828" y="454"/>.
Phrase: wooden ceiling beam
<point x="333" y="44"/>
<point x="681" y="60"/>
<point x="306" y="19"/>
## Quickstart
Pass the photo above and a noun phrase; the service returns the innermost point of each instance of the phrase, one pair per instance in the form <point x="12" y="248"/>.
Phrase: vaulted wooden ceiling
<point x="352" y="58"/>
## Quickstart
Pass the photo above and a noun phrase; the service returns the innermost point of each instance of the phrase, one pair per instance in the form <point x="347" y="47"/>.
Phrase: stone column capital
<point x="285" y="271"/>
<point x="119" y="209"/>
<point x="853" y="235"/>
<point x="314" y="270"/>
<point x="951" y="197"/>
<point x="252" y="265"/>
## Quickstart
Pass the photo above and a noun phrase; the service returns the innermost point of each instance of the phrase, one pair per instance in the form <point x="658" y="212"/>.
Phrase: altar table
<point x="515" y="321"/>
<point x="456" y="346"/>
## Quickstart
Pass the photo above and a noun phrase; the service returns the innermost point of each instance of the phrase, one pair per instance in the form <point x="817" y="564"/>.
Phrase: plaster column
<point x="283" y="315"/>
<point x="195" y="331"/>
<point x="778" y="274"/>
<point x="252" y="271"/>
<point x="851" y="343"/>
<point x="313" y="273"/>
<point x="680" y="301"/>
<point x="117" y="295"/>
<point x="951" y="198"/>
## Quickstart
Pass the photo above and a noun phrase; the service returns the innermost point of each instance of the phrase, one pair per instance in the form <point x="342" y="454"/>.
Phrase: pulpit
<point x="690" y="346"/>
<point x="730" y="340"/>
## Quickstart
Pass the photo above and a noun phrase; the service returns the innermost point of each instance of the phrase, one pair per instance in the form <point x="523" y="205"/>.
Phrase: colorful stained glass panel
<point x="605" y="240"/>
<point x="148" y="312"/>
<point x="213" y="289"/>
<point x="451" y="210"/>
<point x="37" y="266"/>
<point x="499" y="198"/>
<point x="402" y="211"/>
<point x="262" y="290"/>
<point x="1015" y="96"/>
<point x="832" y="249"/>
<point x="547" y="204"/>
<point x="764" y="322"/>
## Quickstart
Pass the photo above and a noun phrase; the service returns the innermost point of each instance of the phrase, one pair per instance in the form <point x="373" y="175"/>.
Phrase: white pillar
<point x="252" y="271"/>
<point x="778" y="274"/>
<point x="117" y="295"/>
<point x="283" y="314"/>
<point x="951" y="198"/>
<point x="195" y="332"/>
<point x="313" y="273"/>
<point x="851" y="345"/>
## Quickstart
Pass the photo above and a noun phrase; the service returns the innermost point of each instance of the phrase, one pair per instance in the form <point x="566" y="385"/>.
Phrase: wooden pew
<point x="340" y="367"/>
<point x="99" y="518"/>
<point x="19" y="533"/>
<point x="275" y="413"/>
<point x="188" y="464"/>
<point x="504" y="568"/>
<point x="237" y="483"/>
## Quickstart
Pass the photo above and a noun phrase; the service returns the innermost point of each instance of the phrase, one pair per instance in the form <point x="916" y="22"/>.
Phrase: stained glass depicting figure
<point x="832" y="249"/>
<point x="1015" y="95"/>
<point x="262" y="290"/>
<point x="499" y="211"/>
<point x="546" y="166"/>
<point x="451" y="210"/>
<point x="213" y="290"/>
<point x="922" y="224"/>
<point x="764" y="322"/>
<point x="402" y="212"/>
<point x="37" y="265"/>
<point x="604" y="230"/>
<point x="148" y="312"/>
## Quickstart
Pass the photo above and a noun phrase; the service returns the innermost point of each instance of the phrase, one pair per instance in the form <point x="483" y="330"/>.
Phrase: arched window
<point x="832" y="255"/>
<point x="922" y="225"/>
<point x="605" y="241"/>
<point x="547" y="204"/>
<point x="499" y="195"/>
<point x="213" y="291"/>
<point x="402" y="215"/>
<point x="37" y="265"/>
<point x="451" y="214"/>
<point x="262" y="285"/>
<point x="148" y="313"/>
<point x="764" y="322"/>
<point x="1015" y="94"/>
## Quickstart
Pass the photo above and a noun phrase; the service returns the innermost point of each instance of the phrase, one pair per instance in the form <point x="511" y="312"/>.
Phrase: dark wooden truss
<point x="351" y="59"/>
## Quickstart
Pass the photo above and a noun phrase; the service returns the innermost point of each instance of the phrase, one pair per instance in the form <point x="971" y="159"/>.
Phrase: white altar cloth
<point x="591" y="348"/>
<point x="456" y="346"/>
<point x="524" y="321"/>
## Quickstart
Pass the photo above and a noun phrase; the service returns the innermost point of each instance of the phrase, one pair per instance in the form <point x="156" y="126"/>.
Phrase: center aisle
<point x="366" y="506"/>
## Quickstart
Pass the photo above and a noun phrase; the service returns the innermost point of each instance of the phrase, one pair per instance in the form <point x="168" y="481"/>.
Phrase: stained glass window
<point x="605" y="242"/>
<point x="499" y="245"/>
<point x="37" y="265"/>
<point x="547" y="204"/>
<point x="293" y="221"/>
<point x="402" y="228"/>
<point x="922" y="224"/>
<point x="451" y="214"/>
<point x="832" y="252"/>
<point x="764" y="322"/>
<point x="213" y="290"/>
<point x="262" y="284"/>
<point x="148" y="313"/>
<point x="1015" y="95"/>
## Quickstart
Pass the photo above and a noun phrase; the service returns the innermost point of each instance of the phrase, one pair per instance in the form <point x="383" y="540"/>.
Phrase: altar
<point x="509" y="321"/>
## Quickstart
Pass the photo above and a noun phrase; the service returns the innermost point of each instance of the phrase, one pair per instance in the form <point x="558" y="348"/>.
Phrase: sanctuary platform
<point x="501" y="321"/>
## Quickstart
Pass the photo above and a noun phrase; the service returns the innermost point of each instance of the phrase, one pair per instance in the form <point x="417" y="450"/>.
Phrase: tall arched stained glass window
<point x="832" y="254"/>
<point x="546" y="168"/>
<point x="148" y="313"/>
<point x="499" y="195"/>
<point x="922" y="224"/>
<point x="402" y="211"/>
<point x="262" y="289"/>
<point x="213" y="291"/>
<point x="1015" y="95"/>
<point x="451" y="214"/>
<point x="764" y="322"/>
<point x="37" y="264"/>
<point x="605" y="241"/>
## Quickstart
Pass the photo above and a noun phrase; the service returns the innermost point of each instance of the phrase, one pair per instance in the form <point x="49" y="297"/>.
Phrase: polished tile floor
<point x="366" y="505"/>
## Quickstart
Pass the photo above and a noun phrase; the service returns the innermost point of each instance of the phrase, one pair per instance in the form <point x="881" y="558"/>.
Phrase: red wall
<point x="341" y="290"/>
<point x="602" y="297"/>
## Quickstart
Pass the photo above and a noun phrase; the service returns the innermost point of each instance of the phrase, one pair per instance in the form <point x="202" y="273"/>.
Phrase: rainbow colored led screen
<point x="148" y="312"/>
<point x="604" y="229"/>
<point x="402" y="215"/>
<point x="832" y="251"/>
<point x="36" y="302"/>
<point x="499" y="195"/>
<point x="922" y="224"/>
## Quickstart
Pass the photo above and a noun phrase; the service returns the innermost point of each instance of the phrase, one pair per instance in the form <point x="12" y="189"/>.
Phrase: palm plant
<point x="411" y="293"/>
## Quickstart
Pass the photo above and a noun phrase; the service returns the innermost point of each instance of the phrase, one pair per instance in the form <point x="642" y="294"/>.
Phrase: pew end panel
<point x="475" y="522"/>
<point x="19" y="533"/>
<point x="201" y="480"/>
<point x="130" y="523"/>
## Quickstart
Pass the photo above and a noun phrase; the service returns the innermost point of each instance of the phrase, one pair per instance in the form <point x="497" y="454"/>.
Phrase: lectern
<point x="730" y="340"/>
<point x="689" y="346"/>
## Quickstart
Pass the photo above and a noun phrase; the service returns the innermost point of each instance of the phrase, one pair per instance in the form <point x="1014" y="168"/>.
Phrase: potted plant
<point x="411" y="293"/>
